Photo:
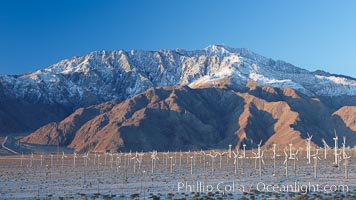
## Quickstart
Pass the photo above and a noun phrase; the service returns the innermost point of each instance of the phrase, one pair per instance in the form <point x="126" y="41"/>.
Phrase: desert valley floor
<point x="176" y="175"/>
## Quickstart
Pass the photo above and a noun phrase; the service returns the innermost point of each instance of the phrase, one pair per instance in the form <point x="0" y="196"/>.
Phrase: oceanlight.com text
<point x="238" y="187"/>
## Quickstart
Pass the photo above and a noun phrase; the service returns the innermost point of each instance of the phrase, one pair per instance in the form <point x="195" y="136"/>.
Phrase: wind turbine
<point x="336" y="162"/>
<point x="326" y="147"/>
<point x="175" y="157"/>
<point x="180" y="159"/>
<point x="203" y="154"/>
<point x="128" y="155"/>
<point x="105" y="155"/>
<point x="94" y="157"/>
<point x="308" y="147"/>
<point x="21" y="159"/>
<point x="344" y="145"/>
<point x="294" y="157"/>
<point x="98" y="161"/>
<point x="259" y="156"/>
<point x="244" y="151"/>
<point x="212" y="162"/>
<point x="229" y="151"/>
<point x="140" y="155"/>
<point x="62" y="158"/>
<point x="86" y="158"/>
<point x="346" y="160"/>
<point x="191" y="165"/>
<point x="135" y="159"/>
<point x="165" y="157"/>
<point x="153" y="159"/>
<point x="316" y="157"/>
<point x="285" y="163"/>
<point x="274" y="159"/>
<point x="111" y="159"/>
<point x="74" y="157"/>
<point x="171" y="163"/>
<point x="243" y="159"/>
<point x="236" y="160"/>
<point x="188" y="152"/>
<point x="220" y="154"/>
<point x="41" y="156"/>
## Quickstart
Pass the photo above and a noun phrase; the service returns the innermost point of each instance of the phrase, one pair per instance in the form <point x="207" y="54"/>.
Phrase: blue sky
<point x="309" y="34"/>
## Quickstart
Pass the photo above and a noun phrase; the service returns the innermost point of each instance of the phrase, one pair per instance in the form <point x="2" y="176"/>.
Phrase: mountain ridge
<point x="102" y="76"/>
<point x="182" y="118"/>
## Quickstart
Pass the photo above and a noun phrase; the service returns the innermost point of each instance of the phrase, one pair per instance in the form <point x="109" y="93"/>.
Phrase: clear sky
<point x="307" y="33"/>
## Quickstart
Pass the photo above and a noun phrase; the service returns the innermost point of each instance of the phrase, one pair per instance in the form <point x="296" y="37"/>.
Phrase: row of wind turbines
<point x="173" y="160"/>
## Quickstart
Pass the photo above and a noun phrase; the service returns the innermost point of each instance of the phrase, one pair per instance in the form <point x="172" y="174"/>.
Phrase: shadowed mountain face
<point x="181" y="118"/>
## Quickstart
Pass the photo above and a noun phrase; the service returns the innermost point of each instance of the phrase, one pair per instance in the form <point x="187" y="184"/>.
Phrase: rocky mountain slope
<point x="181" y="118"/>
<point x="31" y="100"/>
<point x="112" y="100"/>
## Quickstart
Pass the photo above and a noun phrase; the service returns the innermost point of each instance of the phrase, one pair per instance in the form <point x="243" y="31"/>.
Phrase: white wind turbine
<point x="171" y="163"/>
<point x="74" y="158"/>
<point x="244" y="151"/>
<point x="188" y="155"/>
<point x="111" y="159"/>
<point x="243" y="159"/>
<point x="290" y="150"/>
<point x="344" y="145"/>
<point x="180" y="159"/>
<point x="135" y="159"/>
<point x="346" y="160"/>
<point x="258" y="154"/>
<point x="21" y="159"/>
<point x="118" y="161"/>
<point x="94" y="158"/>
<point x="220" y="155"/>
<point x="203" y="157"/>
<point x="191" y="165"/>
<point x="165" y="157"/>
<point x="294" y="157"/>
<point x="86" y="158"/>
<point x="326" y="147"/>
<point x="98" y="160"/>
<point x="236" y="161"/>
<point x="153" y="159"/>
<point x="275" y="155"/>
<point x="336" y="162"/>
<point x="229" y="150"/>
<point x="140" y="155"/>
<point x="308" y="147"/>
<point x="62" y="158"/>
<point x="200" y="155"/>
<point x="41" y="156"/>
<point x="212" y="162"/>
<point x="316" y="157"/>
<point x="285" y="163"/>
<point x="175" y="157"/>
<point x="195" y="157"/>
<point x="128" y="156"/>
<point x="105" y="155"/>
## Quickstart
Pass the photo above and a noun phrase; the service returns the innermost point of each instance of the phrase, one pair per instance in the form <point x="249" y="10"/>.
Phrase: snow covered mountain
<point x="106" y="75"/>
<point x="31" y="100"/>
